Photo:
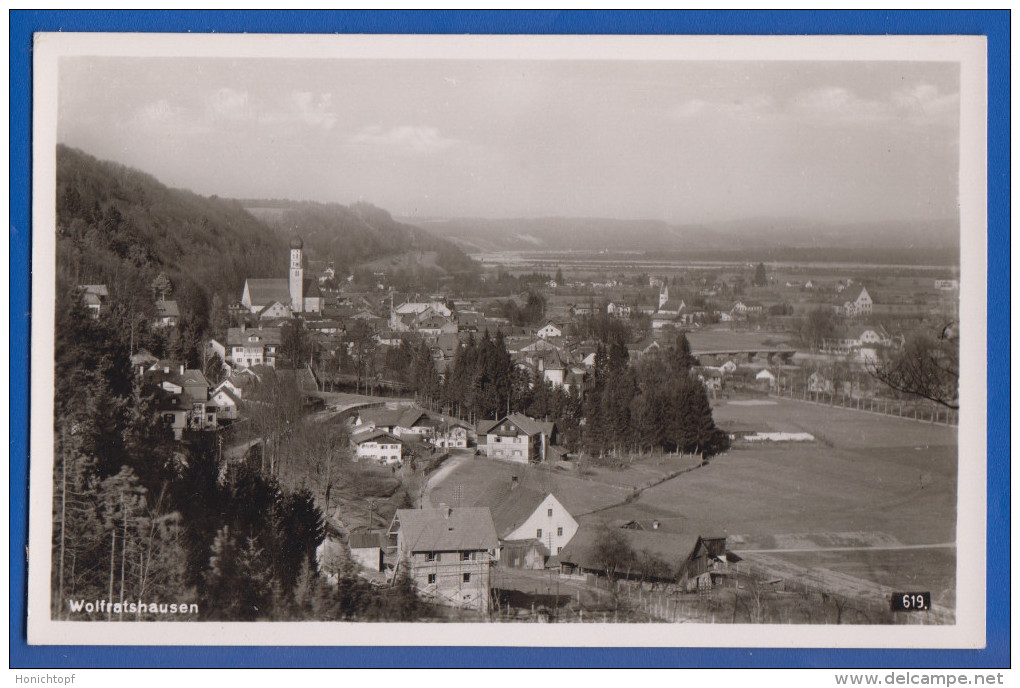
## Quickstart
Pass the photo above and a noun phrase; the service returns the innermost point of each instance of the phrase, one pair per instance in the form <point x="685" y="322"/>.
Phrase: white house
<point x="167" y="314"/>
<point x="550" y="330"/>
<point x="250" y="347"/>
<point x="378" y="445"/>
<point x="523" y="514"/>
<point x="765" y="376"/>
<point x="516" y="438"/>
<point x="862" y="305"/>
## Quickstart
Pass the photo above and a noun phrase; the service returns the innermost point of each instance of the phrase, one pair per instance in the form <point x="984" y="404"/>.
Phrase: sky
<point x="679" y="141"/>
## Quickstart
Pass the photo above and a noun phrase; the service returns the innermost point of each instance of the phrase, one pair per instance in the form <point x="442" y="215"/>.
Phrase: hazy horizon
<point x="671" y="141"/>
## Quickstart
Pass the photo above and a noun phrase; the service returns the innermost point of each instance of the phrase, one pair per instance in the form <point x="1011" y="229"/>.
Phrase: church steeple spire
<point x="297" y="275"/>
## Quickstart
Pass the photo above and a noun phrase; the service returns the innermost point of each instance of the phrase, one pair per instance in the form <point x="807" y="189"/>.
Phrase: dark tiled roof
<point x="510" y="505"/>
<point x="373" y="435"/>
<point x="269" y="336"/>
<point x="167" y="309"/>
<point x="265" y="291"/>
<point x="446" y="530"/>
<point x="670" y="547"/>
<point x="367" y="538"/>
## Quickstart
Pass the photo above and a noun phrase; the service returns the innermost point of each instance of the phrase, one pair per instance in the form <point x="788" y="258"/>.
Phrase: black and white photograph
<point x="506" y="340"/>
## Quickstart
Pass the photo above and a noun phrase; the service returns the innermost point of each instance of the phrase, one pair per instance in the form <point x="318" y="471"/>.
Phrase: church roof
<point x="264" y="291"/>
<point x="296" y="242"/>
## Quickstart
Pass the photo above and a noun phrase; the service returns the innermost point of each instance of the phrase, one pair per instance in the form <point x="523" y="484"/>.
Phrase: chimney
<point x="655" y="525"/>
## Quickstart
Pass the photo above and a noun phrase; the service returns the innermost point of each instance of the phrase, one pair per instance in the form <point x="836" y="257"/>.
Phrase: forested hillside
<point x="357" y="234"/>
<point x="122" y="228"/>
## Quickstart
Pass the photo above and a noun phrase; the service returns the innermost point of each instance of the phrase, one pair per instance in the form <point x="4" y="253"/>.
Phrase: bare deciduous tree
<point x="927" y="367"/>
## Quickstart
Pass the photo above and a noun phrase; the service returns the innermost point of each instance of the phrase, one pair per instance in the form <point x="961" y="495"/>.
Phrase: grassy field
<point x="866" y="473"/>
<point x="902" y="570"/>
<point x="867" y="481"/>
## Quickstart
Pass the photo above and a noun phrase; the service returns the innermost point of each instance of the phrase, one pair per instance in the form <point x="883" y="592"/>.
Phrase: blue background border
<point x="993" y="24"/>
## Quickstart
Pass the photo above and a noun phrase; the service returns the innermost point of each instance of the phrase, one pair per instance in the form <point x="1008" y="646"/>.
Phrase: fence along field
<point x="869" y="506"/>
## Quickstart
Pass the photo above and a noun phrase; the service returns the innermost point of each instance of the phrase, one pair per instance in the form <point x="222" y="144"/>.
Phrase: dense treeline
<point x="654" y="404"/>
<point x="140" y="517"/>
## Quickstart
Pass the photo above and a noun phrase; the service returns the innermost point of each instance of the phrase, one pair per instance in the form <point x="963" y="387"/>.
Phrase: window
<point x="467" y="577"/>
<point x="559" y="531"/>
<point x="430" y="556"/>
<point x="549" y="512"/>
<point x="465" y="556"/>
<point x="432" y="579"/>
<point x="538" y="533"/>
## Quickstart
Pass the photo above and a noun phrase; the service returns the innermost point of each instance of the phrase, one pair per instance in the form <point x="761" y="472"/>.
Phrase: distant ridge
<point x="928" y="241"/>
<point x="358" y="234"/>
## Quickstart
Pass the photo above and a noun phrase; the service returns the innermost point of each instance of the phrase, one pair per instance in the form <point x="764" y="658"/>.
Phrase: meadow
<point x="852" y="506"/>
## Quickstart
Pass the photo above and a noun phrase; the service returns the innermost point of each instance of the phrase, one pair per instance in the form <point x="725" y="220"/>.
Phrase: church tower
<point x="297" y="275"/>
<point x="663" y="295"/>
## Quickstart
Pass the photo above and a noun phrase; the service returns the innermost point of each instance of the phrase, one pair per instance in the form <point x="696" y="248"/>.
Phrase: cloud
<point x="917" y="105"/>
<point x="414" y="139"/>
<point x="161" y="112"/>
<point x="305" y="107"/>
<point x="229" y="104"/>
<point x="738" y="108"/>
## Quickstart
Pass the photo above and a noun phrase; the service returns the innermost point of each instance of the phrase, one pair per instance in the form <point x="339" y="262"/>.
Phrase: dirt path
<point x="448" y="467"/>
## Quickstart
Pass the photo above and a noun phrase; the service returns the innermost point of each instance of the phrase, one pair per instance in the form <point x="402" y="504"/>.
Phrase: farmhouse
<point x="448" y="551"/>
<point x="378" y="445"/>
<point x="531" y="524"/>
<point x="396" y="421"/>
<point x="653" y="555"/>
<point x="516" y="438"/>
<point x="250" y="347"/>
<point x="95" y="297"/>
<point x="649" y="555"/>
<point x="862" y="305"/>
<point x="550" y="329"/>
<point x="167" y="314"/>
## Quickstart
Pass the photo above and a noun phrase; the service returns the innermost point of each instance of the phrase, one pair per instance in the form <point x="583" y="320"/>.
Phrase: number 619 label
<point x="911" y="601"/>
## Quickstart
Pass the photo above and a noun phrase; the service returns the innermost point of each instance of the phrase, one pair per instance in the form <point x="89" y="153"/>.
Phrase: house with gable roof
<point x="532" y="525"/>
<point x="167" y="314"/>
<point x="516" y="438"/>
<point x="250" y="347"/>
<point x="448" y="551"/>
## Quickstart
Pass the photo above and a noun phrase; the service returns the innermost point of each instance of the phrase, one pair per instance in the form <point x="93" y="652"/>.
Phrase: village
<point x="510" y="516"/>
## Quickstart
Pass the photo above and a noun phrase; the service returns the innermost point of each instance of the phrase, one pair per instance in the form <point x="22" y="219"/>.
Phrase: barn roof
<point x="510" y="505"/>
<point x="446" y="529"/>
<point x="673" y="548"/>
<point x="400" y="417"/>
